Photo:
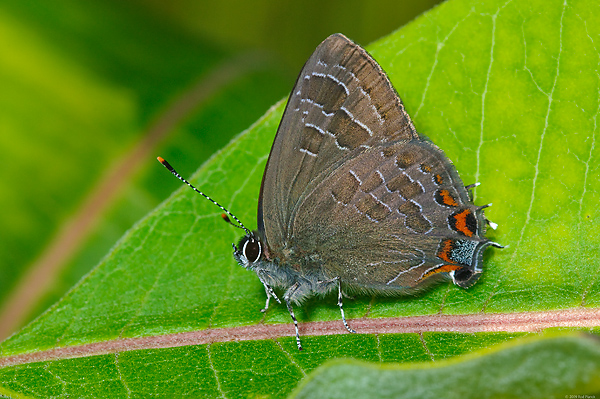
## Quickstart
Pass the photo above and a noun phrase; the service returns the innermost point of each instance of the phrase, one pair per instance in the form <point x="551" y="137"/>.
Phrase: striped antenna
<point x="177" y="175"/>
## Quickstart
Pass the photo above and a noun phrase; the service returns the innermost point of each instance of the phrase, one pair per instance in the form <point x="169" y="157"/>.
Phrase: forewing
<point x="390" y="220"/>
<point x="342" y="105"/>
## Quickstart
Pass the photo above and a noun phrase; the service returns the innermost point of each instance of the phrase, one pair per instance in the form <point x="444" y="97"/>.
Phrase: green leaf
<point x="87" y="88"/>
<point x="86" y="85"/>
<point x="508" y="90"/>
<point x="555" y="367"/>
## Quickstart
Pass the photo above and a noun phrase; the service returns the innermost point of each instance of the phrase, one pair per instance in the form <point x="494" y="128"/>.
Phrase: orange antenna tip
<point x="166" y="165"/>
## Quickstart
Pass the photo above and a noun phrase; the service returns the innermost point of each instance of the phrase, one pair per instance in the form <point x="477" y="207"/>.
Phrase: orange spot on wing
<point x="447" y="198"/>
<point x="438" y="179"/>
<point x="445" y="252"/>
<point x="441" y="269"/>
<point x="461" y="222"/>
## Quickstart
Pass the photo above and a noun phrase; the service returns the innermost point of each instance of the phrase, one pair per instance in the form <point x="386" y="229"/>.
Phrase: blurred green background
<point x="91" y="92"/>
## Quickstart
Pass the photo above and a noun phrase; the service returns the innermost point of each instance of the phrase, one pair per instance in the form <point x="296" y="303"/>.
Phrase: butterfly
<point x="353" y="199"/>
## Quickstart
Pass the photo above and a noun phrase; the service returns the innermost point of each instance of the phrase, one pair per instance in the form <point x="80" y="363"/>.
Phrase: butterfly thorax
<point x="286" y="268"/>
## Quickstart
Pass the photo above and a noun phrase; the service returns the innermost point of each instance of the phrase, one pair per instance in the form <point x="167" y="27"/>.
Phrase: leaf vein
<point x="550" y="95"/>
<point x="439" y="47"/>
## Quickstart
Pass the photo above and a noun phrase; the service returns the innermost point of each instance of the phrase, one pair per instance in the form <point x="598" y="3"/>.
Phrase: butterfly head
<point x="249" y="251"/>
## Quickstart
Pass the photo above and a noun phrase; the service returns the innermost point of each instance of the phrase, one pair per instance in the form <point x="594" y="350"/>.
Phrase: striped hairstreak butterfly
<point x="353" y="200"/>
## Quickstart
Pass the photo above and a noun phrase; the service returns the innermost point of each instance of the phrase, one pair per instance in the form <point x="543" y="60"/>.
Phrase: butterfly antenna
<point x="224" y="216"/>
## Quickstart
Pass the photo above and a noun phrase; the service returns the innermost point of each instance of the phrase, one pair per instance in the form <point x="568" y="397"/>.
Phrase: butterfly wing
<point x="389" y="220"/>
<point x="321" y="129"/>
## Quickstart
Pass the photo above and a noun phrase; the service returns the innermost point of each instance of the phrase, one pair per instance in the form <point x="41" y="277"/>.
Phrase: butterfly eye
<point x="251" y="250"/>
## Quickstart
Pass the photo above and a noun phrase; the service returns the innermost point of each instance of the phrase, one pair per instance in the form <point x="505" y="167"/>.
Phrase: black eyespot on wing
<point x="462" y="275"/>
<point x="465" y="277"/>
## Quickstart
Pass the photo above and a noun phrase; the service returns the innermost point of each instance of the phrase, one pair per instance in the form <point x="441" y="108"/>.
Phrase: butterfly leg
<point x="342" y="308"/>
<point x="270" y="293"/>
<point x="327" y="284"/>
<point x="287" y="298"/>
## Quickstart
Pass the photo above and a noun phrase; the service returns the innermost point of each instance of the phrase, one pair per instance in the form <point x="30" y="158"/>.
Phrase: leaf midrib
<point x="493" y="322"/>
